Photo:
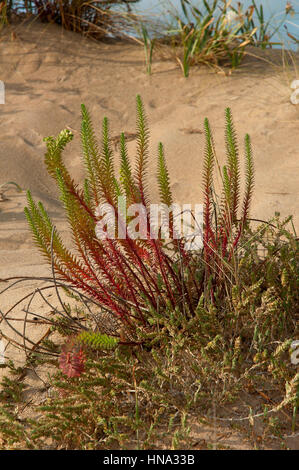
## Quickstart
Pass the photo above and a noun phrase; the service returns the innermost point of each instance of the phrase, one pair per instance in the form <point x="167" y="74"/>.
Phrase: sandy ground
<point x="49" y="72"/>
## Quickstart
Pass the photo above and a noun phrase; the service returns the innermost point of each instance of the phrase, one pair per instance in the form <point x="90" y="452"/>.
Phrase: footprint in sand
<point x="29" y="64"/>
<point x="16" y="241"/>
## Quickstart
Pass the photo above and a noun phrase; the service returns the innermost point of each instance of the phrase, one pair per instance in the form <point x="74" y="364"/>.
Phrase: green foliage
<point x="218" y="33"/>
<point x="3" y="14"/>
<point x="96" y="340"/>
<point x="96" y="20"/>
<point x="149" y="45"/>
<point x="264" y="31"/>
<point x="206" y="36"/>
<point x="11" y="430"/>
<point x="185" y="370"/>
<point x="163" y="179"/>
<point x="149" y="395"/>
<point x="223" y="227"/>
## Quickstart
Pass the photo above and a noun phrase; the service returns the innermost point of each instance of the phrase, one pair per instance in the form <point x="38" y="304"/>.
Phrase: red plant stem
<point x="126" y="279"/>
<point x="77" y="281"/>
<point x="130" y="243"/>
<point x="87" y="209"/>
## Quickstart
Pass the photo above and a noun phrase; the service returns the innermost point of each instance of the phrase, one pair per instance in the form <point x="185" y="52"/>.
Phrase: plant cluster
<point x="136" y="280"/>
<point x="97" y="19"/>
<point x="214" y="33"/>
<point x="148" y="396"/>
<point x="175" y="333"/>
<point x="218" y="33"/>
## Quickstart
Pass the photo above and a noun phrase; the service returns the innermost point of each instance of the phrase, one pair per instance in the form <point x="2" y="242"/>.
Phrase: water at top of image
<point x="274" y="10"/>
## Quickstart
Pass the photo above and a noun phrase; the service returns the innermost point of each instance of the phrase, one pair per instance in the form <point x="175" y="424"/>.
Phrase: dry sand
<point x="49" y="72"/>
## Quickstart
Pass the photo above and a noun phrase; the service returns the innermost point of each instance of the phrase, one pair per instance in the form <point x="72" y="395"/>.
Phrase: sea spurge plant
<point x="137" y="280"/>
<point x="222" y="227"/>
